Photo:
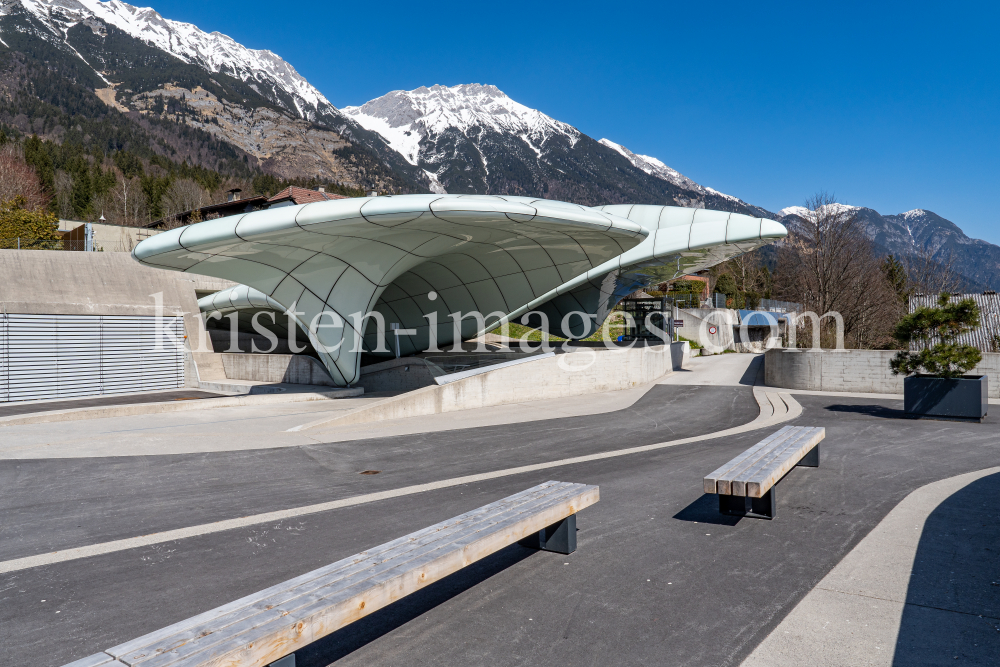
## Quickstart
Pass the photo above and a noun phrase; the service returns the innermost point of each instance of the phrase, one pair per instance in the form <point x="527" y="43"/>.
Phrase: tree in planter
<point x="937" y="329"/>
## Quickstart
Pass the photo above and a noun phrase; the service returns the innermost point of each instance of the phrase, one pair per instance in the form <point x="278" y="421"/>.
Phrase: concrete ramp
<point x="585" y="371"/>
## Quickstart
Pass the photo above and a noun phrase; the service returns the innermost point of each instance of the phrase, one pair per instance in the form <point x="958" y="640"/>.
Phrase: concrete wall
<point x="222" y="341"/>
<point x="861" y="371"/>
<point x="584" y="372"/>
<point x="40" y="282"/>
<point x="409" y="373"/>
<point x="290" y="368"/>
<point x="112" y="238"/>
<point x="698" y="320"/>
<point x="728" y="335"/>
<point x="403" y="374"/>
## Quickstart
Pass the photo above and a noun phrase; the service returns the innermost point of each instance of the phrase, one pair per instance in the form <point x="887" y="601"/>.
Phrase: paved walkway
<point x="660" y="578"/>
<point x="28" y="407"/>
<point x="920" y="589"/>
<point x="272" y="426"/>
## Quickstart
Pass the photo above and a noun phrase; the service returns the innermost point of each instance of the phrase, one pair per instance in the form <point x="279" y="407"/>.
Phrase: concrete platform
<point x="29" y="407"/>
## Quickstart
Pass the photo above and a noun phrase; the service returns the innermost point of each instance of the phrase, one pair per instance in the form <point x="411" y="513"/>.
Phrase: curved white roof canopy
<point x="387" y="254"/>
<point x="680" y="241"/>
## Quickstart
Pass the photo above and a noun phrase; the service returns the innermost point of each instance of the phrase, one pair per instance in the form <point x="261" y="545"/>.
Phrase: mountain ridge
<point x="473" y="138"/>
<point x="106" y="47"/>
<point x="920" y="233"/>
<point x="162" y="75"/>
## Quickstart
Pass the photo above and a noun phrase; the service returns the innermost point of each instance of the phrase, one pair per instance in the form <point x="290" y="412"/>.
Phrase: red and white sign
<point x="713" y="330"/>
<point x="678" y="323"/>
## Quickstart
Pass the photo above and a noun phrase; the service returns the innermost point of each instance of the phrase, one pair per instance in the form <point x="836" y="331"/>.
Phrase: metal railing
<point x="42" y="244"/>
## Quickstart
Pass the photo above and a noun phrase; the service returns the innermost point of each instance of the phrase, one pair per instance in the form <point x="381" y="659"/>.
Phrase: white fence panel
<point x="64" y="356"/>
<point x="3" y="357"/>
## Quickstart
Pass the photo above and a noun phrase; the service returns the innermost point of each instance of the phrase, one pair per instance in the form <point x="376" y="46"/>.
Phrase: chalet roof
<point x="303" y="195"/>
<point x="221" y="210"/>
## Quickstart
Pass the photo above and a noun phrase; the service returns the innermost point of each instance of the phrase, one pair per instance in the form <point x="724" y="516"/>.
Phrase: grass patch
<point x="535" y="335"/>
<point x="694" y="345"/>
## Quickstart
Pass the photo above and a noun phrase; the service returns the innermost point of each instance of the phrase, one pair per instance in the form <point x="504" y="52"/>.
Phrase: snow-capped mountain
<point x="652" y="166"/>
<point x="147" y="66"/>
<point x="919" y="232"/>
<point x="264" y="71"/>
<point x="406" y="118"/>
<point x="474" y="138"/>
<point x="655" y="167"/>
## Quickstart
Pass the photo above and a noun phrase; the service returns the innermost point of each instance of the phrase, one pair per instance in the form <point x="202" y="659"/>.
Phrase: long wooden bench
<point x="261" y="628"/>
<point x="746" y="484"/>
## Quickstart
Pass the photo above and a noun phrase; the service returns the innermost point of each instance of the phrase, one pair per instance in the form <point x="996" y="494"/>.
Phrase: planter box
<point x="935" y="397"/>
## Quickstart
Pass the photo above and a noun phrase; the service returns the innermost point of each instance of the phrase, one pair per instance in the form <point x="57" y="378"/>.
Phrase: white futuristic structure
<point x="417" y="259"/>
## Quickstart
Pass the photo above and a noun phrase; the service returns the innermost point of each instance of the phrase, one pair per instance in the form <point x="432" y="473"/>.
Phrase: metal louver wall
<point x="62" y="356"/>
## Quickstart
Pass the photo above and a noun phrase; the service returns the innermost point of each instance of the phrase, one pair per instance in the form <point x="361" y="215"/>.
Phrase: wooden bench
<point x="746" y="484"/>
<point x="261" y="628"/>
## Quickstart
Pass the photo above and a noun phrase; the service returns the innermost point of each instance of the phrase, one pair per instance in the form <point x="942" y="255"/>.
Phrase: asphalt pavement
<point x="659" y="578"/>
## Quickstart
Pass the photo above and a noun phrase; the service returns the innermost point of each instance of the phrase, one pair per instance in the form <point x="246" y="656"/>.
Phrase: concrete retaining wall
<point x="584" y="372"/>
<point x="860" y="371"/>
<point x="41" y="282"/>
<point x="403" y="374"/>
<point x="698" y="320"/>
<point x="289" y="368"/>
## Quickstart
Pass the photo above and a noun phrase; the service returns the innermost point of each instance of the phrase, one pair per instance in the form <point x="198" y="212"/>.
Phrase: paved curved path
<point x="921" y="588"/>
<point x="659" y="578"/>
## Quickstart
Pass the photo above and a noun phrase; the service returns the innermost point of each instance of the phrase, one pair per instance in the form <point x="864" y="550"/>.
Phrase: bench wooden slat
<point x="179" y="646"/>
<point x="263" y="644"/>
<point x="773" y="453"/>
<point x="751" y="456"/>
<point x="305" y="625"/>
<point x="787" y="449"/>
<point x="356" y="588"/>
<point x="767" y="475"/>
<point x="720" y="480"/>
<point x="95" y="660"/>
<point x="147" y="643"/>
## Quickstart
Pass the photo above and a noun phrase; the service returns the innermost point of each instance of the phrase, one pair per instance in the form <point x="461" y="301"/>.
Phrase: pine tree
<point x="82" y="194"/>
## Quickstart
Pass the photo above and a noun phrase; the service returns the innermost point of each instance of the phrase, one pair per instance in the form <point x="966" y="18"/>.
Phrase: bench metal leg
<point x="287" y="661"/>
<point x="811" y="459"/>
<point x="758" y="508"/>
<point x="559" y="537"/>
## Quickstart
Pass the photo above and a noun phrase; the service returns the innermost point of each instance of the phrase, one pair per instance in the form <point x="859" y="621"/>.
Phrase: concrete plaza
<point x="883" y="555"/>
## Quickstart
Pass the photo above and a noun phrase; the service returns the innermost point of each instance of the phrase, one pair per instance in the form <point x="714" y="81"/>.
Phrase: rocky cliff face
<point x="145" y="66"/>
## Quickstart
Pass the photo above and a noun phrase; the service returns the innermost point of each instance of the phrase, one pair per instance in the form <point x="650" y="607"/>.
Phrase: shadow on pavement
<point x="952" y="612"/>
<point x="335" y="646"/>
<point x="706" y="510"/>
<point x="749" y="378"/>
<point x="871" y="411"/>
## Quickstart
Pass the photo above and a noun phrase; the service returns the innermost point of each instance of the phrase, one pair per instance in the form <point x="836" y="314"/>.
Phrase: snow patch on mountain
<point x="657" y="168"/>
<point x="652" y="166"/>
<point x="213" y="51"/>
<point x="407" y="117"/>
<point x="800" y="211"/>
<point x="805" y="213"/>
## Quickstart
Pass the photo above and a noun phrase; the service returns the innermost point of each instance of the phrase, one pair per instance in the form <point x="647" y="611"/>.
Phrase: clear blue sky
<point x="890" y="105"/>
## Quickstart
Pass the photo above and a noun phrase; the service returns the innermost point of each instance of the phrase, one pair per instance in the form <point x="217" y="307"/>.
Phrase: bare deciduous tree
<point x="828" y="264"/>
<point x="64" y="188"/>
<point x="931" y="276"/>
<point x="184" y="195"/>
<point x="745" y="278"/>
<point x="18" y="178"/>
<point x="125" y="203"/>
